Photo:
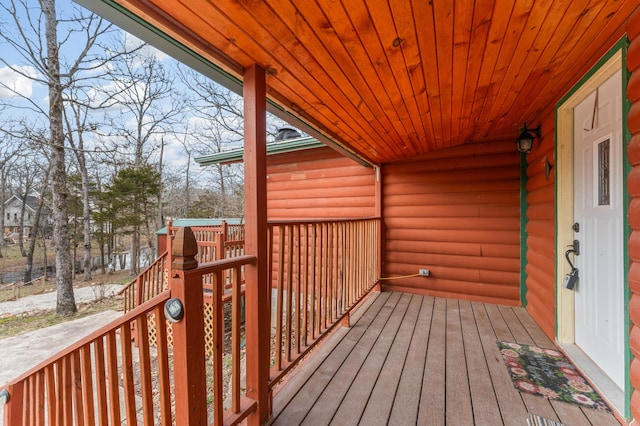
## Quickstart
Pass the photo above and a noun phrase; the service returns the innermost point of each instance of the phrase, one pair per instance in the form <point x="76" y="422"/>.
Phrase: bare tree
<point x="217" y="126"/>
<point x="36" y="229"/>
<point x="32" y="35"/>
<point x="77" y="124"/>
<point x="150" y="111"/>
<point x="8" y="150"/>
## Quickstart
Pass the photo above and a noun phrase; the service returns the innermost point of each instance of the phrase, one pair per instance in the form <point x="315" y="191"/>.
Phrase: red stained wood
<point x="634" y="309"/>
<point x="633" y="88"/>
<point x="464" y="226"/>
<point x="634" y="277"/>
<point x="633" y="25"/>
<point x="188" y="334"/>
<point x="633" y="150"/>
<point x="634" y="246"/>
<point x="257" y="297"/>
<point x="319" y="184"/>
<point x="633" y="119"/>
<point x="633" y="55"/>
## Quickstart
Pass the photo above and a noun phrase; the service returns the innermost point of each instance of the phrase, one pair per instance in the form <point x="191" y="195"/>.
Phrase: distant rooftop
<point x="275" y="147"/>
<point x="202" y="222"/>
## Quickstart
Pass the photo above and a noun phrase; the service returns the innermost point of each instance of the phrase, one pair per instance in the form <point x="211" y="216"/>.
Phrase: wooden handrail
<point x="318" y="272"/>
<point x="117" y="323"/>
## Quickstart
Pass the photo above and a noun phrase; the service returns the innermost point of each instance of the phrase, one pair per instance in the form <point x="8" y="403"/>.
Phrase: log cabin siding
<point x="315" y="184"/>
<point x="318" y="183"/>
<point x="540" y="232"/>
<point x="633" y="186"/>
<point x="455" y="212"/>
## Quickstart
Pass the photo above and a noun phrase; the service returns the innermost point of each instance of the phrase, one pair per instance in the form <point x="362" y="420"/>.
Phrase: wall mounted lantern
<point x="524" y="143"/>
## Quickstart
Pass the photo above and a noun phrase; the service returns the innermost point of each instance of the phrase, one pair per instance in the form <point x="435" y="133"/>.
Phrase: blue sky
<point x="12" y="81"/>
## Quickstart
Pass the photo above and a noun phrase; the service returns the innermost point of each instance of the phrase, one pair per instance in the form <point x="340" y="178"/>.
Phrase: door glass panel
<point x="603" y="173"/>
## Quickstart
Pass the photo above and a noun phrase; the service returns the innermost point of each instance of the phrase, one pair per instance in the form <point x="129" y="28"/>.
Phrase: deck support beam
<point x="257" y="288"/>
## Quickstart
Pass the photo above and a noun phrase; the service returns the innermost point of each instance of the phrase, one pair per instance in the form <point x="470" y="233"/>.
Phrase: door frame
<point x="612" y="62"/>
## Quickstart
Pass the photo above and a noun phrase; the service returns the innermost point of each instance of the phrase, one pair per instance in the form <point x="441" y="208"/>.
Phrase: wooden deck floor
<point x="410" y="359"/>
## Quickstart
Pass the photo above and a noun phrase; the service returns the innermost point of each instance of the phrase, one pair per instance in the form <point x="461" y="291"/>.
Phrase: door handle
<point x="571" y="279"/>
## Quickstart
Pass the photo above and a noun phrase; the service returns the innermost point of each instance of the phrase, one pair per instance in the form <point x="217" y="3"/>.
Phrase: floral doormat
<point x="547" y="372"/>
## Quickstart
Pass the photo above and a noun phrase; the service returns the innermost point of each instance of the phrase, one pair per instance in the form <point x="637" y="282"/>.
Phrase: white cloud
<point x="13" y="84"/>
<point x="131" y="42"/>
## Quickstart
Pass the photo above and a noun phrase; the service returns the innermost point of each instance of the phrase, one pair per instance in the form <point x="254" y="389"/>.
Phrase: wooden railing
<point x="151" y="282"/>
<point x="97" y="380"/>
<point x="106" y="379"/>
<point x="319" y="270"/>
<point x="214" y="243"/>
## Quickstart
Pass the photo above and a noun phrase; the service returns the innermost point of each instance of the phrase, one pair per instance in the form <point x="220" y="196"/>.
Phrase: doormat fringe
<point x="535" y="420"/>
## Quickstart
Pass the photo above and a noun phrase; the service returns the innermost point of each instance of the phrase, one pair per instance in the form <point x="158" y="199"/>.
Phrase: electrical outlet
<point x="423" y="272"/>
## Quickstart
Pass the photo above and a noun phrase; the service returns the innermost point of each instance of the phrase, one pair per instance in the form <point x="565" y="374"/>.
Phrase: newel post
<point x="188" y="333"/>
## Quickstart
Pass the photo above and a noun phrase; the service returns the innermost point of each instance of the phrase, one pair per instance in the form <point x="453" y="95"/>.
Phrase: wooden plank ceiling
<point x="394" y="79"/>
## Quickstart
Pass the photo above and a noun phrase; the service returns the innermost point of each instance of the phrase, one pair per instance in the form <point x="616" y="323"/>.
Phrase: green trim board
<point x="524" y="206"/>
<point x="626" y="137"/>
<point x="279" y="147"/>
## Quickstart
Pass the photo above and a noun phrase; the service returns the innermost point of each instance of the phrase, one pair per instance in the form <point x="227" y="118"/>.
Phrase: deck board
<point x="407" y="399"/>
<point x="482" y="395"/>
<point x="380" y="402"/>
<point x="431" y="410"/>
<point x="356" y="397"/>
<point x="412" y="359"/>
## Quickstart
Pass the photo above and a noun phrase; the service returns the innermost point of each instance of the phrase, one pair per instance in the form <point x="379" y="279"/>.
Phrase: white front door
<point x="598" y="217"/>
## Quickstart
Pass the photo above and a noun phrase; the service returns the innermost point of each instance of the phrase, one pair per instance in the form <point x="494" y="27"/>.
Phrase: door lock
<point x="571" y="279"/>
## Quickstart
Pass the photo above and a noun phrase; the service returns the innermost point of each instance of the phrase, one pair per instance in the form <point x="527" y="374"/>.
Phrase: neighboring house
<point x="309" y="180"/>
<point x="13" y="208"/>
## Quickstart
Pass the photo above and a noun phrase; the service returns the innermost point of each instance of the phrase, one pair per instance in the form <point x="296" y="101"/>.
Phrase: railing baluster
<point x="76" y="381"/>
<point x="101" y="386"/>
<point x="305" y="286"/>
<point x="40" y="398"/>
<point x="127" y="373"/>
<point x="279" y="297"/>
<point x="113" y="379"/>
<point x="86" y="373"/>
<point x="289" y="290"/>
<point x="49" y="376"/>
<point x="164" y="385"/>
<point x="315" y="303"/>
<point x="145" y="368"/>
<point x="218" y="347"/>
<point x="235" y="339"/>
<point x="298" y="307"/>
<point x="31" y="383"/>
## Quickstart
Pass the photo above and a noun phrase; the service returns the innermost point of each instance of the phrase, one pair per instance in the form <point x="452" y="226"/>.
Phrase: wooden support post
<point x="188" y="333"/>
<point x="223" y="240"/>
<point x="379" y="228"/>
<point x="258" y="324"/>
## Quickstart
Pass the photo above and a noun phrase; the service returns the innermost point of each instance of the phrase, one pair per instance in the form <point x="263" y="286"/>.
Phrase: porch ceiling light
<point x="524" y="142"/>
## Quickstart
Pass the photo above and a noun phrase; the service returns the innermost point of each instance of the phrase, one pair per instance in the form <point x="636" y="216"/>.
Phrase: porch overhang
<point x="388" y="80"/>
